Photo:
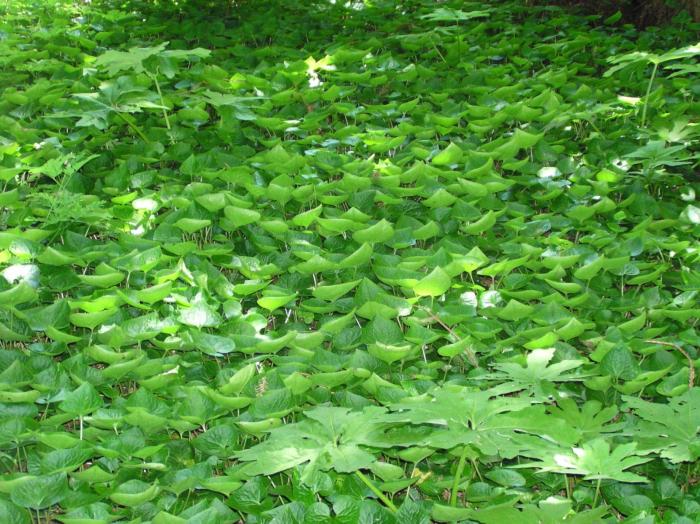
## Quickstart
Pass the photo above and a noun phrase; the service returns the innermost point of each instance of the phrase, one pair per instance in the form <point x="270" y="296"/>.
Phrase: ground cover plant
<point x="370" y="262"/>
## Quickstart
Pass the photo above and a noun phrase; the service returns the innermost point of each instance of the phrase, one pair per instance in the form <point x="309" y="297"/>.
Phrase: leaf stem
<point x="475" y="465"/>
<point x="437" y="51"/>
<point x="597" y="493"/>
<point x="646" y="96"/>
<point x="162" y="101"/>
<point x="470" y="354"/>
<point x="133" y="126"/>
<point x="458" y="476"/>
<point x="388" y="503"/>
<point x="154" y="77"/>
<point x="691" y="364"/>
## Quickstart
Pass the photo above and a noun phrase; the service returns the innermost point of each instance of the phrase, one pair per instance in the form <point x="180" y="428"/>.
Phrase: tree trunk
<point x="693" y="7"/>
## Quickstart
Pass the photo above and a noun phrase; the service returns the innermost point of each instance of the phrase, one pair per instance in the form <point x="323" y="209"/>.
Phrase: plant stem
<point x="646" y="96"/>
<point x="162" y="103"/>
<point x="458" y="476"/>
<point x="437" y="51"/>
<point x="389" y="504"/>
<point x="475" y="465"/>
<point x="81" y="427"/>
<point x="133" y="126"/>
<point x="597" y="493"/>
<point x="470" y="354"/>
<point x="691" y="364"/>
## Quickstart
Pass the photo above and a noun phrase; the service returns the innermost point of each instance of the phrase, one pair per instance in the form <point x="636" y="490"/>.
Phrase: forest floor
<point x="376" y="262"/>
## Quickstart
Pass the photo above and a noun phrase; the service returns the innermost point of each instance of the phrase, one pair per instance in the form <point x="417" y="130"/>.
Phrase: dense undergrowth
<point x="281" y="262"/>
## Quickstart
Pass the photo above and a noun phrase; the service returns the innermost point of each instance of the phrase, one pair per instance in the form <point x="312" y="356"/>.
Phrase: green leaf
<point x="307" y="218"/>
<point x="332" y="293"/>
<point x="13" y="514"/>
<point x="154" y="294"/>
<point x="444" y="14"/>
<point x="134" y="493"/>
<point x="450" y="155"/>
<point x="240" y="217"/>
<point x="192" y="225"/>
<point x="633" y="325"/>
<point x="359" y="257"/>
<point x="81" y="401"/>
<point x="378" y="233"/>
<point x="20" y="294"/>
<point x="595" y="460"/>
<point x="91" y="513"/>
<point x="40" y="492"/>
<point x="538" y="368"/>
<point x="572" y="329"/>
<point x="506" y="477"/>
<point x="670" y="429"/>
<point x="389" y="353"/>
<point x="485" y="223"/>
<point x="274" y="301"/>
<point x="545" y="341"/>
<point x="515" y="310"/>
<point x="214" y="345"/>
<point x="328" y="438"/>
<point x="590" y="270"/>
<point x="134" y="58"/>
<point x="199" y="314"/>
<point x="433" y="284"/>
<point x="91" y="320"/>
<point x="103" y="280"/>
<point x="620" y="363"/>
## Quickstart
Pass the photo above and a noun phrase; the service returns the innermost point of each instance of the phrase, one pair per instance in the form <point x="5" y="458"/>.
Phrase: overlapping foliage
<point x="376" y="262"/>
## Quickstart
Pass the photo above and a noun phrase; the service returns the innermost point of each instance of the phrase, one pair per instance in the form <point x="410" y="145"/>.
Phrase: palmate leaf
<point x="134" y="58"/>
<point x="120" y="95"/>
<point x="638" y="57"/>
<point x="444" y="14"/>
<point x="329" y="438"/>
<point x="537" y="372"/>
<point x="672" y="429"/>
<point x="487" y="420"/>
<point x="115" y="61"/>
<point x="553" y="510"/>
<point x="594" y="460"/>
<point x="591" y="419"/>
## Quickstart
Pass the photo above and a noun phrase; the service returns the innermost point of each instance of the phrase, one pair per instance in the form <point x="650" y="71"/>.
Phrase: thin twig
<point x="470" y="354"/>
<point x="691" y="364"/>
